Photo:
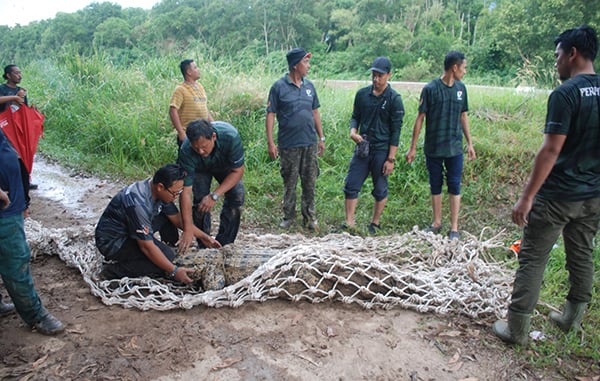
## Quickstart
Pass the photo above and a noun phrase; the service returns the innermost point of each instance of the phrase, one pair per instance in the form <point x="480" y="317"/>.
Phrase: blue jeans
<point x="453" y="167"/>
<point x="16" y="273"/>
<point x="231" y="212"/>
<point x="358" y="171"/>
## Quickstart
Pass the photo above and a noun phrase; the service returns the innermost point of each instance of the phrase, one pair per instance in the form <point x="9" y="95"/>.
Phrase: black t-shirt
<point x="574" y="111"/>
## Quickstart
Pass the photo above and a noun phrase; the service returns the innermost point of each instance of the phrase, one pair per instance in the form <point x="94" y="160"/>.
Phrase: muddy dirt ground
<point x="275" y="340"/>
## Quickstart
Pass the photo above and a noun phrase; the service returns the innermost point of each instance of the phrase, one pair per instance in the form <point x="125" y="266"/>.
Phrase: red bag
<point x="23" y="128"/>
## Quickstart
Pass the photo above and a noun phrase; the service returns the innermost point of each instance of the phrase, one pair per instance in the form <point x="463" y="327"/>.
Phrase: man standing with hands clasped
<point x="375" y="128"/>
<point x="293" y="99"/>
<point x="562" y="194"/>
<point x="188" y="101"/>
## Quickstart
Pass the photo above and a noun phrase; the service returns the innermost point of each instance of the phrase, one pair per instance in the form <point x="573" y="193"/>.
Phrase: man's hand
<point x="521" y="211"/>
<point x="410" y="155"/>
<point x="182" y="275"/>
<point x="321" y="148"/>
<point x="185" y="241"/>
<point x="388" y="167"/>
<point x="206" y="204"/>
<point x="471" y="155"/>
<point x="210" y="242"/>
<point x="4" y="199"/>
<point x="273" y="152"/>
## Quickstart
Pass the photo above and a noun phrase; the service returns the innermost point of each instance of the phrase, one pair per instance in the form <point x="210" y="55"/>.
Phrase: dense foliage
<point x="505" y="40"/>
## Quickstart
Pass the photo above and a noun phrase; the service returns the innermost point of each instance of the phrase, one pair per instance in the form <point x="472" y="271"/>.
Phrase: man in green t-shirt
<point x="443" y="106"/>
<point x="211" y="151"/>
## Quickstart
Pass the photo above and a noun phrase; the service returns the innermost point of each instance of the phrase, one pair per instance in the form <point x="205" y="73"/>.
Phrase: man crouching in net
<point x="125" y="232"/>
<point x="125" y="236"/>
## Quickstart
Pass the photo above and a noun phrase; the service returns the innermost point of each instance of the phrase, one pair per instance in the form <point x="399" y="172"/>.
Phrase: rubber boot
<point x="571" y="317"/>
<point x="515" y="330"/>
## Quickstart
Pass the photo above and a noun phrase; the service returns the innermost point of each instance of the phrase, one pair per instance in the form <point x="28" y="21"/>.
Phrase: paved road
<point x="411" y="86"/>
<point x="417" y="86"/>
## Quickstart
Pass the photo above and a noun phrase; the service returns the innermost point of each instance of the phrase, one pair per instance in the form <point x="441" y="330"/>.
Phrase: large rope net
<point x="416" y="270"/>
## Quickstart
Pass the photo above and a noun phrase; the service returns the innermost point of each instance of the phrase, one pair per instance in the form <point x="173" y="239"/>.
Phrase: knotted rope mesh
<point x="416" y="270"/>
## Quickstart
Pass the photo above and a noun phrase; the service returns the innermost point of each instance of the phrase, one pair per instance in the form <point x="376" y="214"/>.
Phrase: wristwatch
<point x="214" y="196"/>
<point x="391" y="160"/>
<point x="322" y="138"/>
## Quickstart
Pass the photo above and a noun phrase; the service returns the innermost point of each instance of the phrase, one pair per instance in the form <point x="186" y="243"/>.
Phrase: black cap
<point x="296" y="55"/>
<point x="381" y="65"/>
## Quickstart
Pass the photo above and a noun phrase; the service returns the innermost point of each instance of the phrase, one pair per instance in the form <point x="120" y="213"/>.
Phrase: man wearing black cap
<point x="375" y="128"/>
<point x="293" y="99"/>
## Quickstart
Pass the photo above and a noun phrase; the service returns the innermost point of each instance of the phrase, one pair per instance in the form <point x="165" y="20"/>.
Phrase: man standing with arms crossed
<point x="293" y="99"/>
<point x="444" y="107"/>
<point x="562" y="194"/>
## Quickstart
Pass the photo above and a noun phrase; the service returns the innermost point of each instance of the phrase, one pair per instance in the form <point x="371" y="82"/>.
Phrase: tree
<point x="113" y="33"/>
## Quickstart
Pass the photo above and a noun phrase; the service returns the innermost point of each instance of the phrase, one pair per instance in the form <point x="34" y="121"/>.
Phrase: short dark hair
<point x="168" y="174"/>
<point x="7" y="70"/>
<point x="184" y="65"/>
<point x="453" y="57"/>
<point x="582" y="38"/>
<point x="199" y="128"/>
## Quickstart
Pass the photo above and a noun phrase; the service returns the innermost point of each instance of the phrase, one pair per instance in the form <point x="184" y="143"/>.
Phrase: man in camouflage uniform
<point x="294" y="100"/>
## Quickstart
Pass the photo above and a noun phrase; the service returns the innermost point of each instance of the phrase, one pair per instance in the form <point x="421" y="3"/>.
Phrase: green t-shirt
<point x="574" y="111"/>
<point x="227" y="154"/>
<point x="443" y="106"/>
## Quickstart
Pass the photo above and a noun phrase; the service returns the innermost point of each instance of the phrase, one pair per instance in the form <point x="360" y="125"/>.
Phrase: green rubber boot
<point x="515" y="330"/>
<point x="571" y="318"/>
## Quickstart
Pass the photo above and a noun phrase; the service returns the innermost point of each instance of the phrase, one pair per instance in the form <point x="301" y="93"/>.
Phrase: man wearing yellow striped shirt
<point x="188" y="101"/>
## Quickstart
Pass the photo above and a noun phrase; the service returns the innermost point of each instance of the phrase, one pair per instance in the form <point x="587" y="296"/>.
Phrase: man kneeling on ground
<point x="125" y="231"/>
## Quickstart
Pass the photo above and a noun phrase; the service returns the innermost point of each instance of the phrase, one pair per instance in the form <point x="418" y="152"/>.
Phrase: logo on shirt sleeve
<point x="145" y="230"/>
<point x="309" y="92"/>
<point x="459" y="95"/>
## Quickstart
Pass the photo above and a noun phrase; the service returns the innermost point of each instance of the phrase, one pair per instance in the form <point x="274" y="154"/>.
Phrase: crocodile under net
<point x="416" y="270"/>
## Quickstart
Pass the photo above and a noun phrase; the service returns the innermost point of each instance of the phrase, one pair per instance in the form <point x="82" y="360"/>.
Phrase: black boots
<point x="571" y="316"/>
<point x="515" y="330"/>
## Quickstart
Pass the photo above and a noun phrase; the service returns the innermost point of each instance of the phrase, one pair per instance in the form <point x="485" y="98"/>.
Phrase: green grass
<point x="113" y="121"/>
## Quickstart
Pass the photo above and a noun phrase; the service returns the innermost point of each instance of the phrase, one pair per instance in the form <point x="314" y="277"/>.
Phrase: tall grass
<point x="114" y="121"/>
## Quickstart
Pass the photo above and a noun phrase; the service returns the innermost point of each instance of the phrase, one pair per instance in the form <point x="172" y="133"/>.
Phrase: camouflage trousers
<point x="294" y="163"/>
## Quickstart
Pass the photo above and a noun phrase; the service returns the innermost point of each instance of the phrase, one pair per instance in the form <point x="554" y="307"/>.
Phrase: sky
<point x="23" y="12"/>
